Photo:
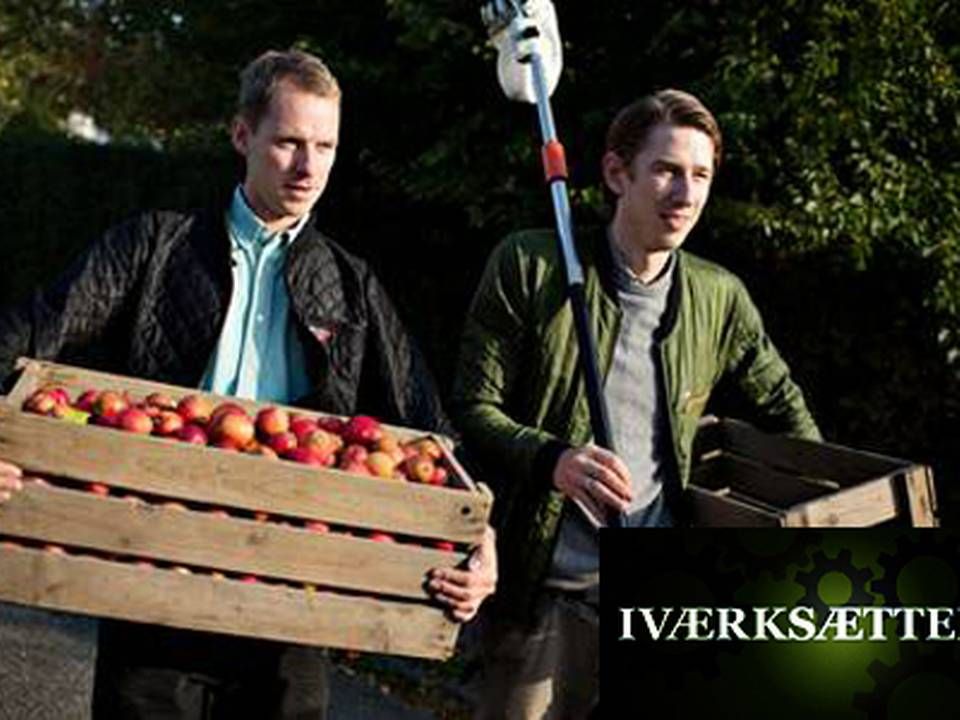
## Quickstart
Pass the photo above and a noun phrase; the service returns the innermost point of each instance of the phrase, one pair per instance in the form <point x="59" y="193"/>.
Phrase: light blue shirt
<point x="259" y="355"/>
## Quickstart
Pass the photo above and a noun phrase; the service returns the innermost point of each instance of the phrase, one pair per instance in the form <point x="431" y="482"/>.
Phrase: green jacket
<point x="519" y="400"/>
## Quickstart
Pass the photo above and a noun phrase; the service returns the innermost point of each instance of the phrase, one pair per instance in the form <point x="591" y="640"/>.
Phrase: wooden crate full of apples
<point x="164" y="505"/>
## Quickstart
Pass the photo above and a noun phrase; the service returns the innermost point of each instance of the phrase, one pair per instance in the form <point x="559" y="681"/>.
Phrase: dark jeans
<point x="154" y="673"/>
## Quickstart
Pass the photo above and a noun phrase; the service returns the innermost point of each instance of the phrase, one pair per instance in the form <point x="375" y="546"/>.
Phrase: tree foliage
<point x="839" y="199"/>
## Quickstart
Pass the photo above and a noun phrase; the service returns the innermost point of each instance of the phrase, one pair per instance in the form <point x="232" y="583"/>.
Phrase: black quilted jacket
<point x="149" y="300"/>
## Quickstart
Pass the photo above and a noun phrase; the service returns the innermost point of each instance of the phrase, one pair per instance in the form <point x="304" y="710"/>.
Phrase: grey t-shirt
<point x="638" y="420"/>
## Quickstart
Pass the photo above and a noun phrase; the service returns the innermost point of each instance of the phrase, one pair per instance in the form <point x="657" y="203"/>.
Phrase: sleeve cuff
<point x="546" y="460"/>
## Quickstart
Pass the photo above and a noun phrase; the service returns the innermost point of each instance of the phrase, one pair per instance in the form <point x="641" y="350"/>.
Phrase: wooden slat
<point x="717" y="509"/>
<point x="814" y="459"/>
<point x="106" y="589"/>
<point x="207" y="475"/>
<point x="79" y="519"/>
<point x="867" y="504"/>
<point x="750" y="478"/>
<point x="921" y="497"/>
<point x="28" y="381"/>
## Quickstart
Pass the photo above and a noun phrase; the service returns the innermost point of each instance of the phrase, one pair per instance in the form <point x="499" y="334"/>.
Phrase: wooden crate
<point x="742" y="477"/>
<point x="333" y="589"/>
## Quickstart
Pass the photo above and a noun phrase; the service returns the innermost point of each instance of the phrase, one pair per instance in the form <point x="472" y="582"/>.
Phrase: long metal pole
<point x="555" y="170"/>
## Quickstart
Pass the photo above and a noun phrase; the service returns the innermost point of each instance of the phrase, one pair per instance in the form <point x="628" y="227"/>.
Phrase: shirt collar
<point x="246" y="228"/>
<point x="626" y="279"/>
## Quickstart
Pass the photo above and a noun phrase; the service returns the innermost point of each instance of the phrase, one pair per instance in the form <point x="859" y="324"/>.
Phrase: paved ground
<point x="354" y="698"/>
<point x="392" y="688"/>
<point x="56" y="652"/>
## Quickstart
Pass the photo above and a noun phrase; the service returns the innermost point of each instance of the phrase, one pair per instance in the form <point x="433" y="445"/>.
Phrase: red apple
<point x="272" y="421"/>
<point x="316" y="526"/>
<point x="321" y="442"/>
<point x="136" y="421"/>
<point x="444" y="545"/>
<point x="419" y="468"/>
<point x="151" y="410"/>
<point x="362" y="430"/>
<point x="439" y="476"/>
<point x="353" y="454"/>
<point x="104" y="420"/>
<point x="428" y="447"/>
<point x="390" y="444"/>
<point x="302" y="426"/>
<point x="283" y="442"/>
<point x="381" y="464"/>
<point x="193" y="434"/>
<point x="303" y="455"/>
<point x="161" y="401"/>
<point x="236" y="427"/>
<point x="332" y="424"/>
<point x="40" y="402"/>
<point x="356" y="467"/>
<point x="98" y="489"/>
<point x="194" y="409"/>
<point x="257" y="448"/>
<point x="60" y="395"/>
<point x="110" y="404"/>
<point x="226" y="408"/>
<point x="378" y="536"/>
<point x="86" y="400"/>
<point x="168" y="423"/>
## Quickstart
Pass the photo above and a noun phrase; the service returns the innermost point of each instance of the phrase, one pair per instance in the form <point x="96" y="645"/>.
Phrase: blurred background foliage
<point x="838" y="202"/>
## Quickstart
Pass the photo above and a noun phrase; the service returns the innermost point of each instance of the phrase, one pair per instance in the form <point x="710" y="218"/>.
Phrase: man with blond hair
<point x="669" y="327"/>
<point x="249" y="300"/>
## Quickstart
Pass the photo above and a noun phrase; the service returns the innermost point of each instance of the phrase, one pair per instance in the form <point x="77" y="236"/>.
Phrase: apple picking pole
<point x="518" y="36"/>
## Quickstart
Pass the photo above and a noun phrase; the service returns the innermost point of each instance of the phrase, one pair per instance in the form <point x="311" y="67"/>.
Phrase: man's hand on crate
<point x="463" y="591"/>
<point x="10" y="480"/>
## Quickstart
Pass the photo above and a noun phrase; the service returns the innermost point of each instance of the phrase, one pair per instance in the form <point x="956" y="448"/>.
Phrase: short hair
<point x="630" y="128"/>
<point x="259" y="80"/>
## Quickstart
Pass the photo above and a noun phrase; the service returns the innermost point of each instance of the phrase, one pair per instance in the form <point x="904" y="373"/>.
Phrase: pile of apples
<point x="359" y="445"/>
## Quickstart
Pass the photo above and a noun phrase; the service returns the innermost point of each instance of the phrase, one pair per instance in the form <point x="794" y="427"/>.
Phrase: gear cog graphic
<point x="940" y="660"/>
<point x="740" y="557"/>
<point x="909" y="549"/>
<point x="842" y="563"/>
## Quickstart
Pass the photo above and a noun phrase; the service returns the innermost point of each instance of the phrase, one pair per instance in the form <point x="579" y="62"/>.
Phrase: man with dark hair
<point x="249" y="300"/>
<point x="669" y="326"/>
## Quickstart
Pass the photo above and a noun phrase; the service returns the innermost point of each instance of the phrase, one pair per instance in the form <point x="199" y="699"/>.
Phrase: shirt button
<point x="260" y="318"/>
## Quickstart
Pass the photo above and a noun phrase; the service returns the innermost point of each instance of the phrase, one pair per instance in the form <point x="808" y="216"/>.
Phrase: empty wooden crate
<point x="742" y="477"/>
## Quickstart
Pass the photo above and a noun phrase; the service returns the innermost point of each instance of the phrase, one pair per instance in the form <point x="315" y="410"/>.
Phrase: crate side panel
<point x="106" y="589"/>
<point x="865" y="505"/>
<point x="812" y="459"/>
<point x="712" y="509"/>
<point x="755" y="480"/>
<point x="81" y="520"/>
